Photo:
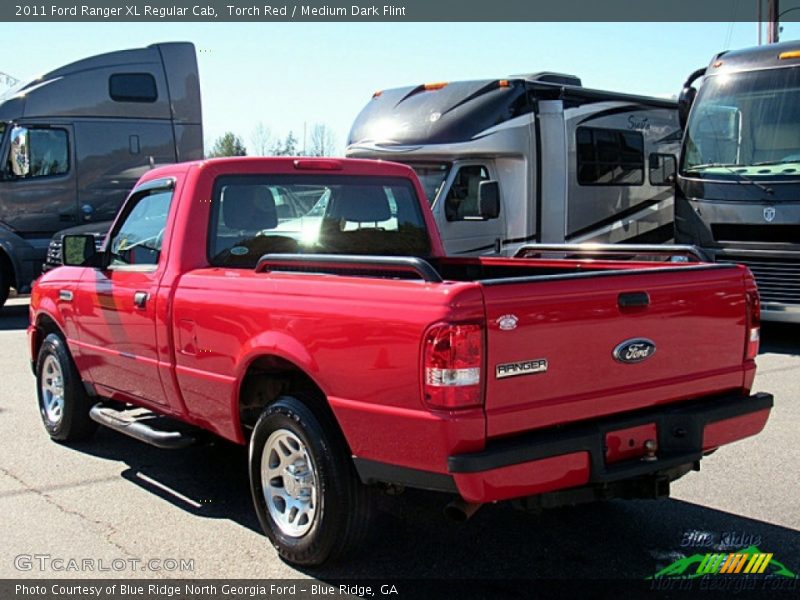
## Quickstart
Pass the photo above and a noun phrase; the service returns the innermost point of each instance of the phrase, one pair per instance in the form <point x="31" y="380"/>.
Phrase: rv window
<point x="132" y="87"/>
<point x="609" y="156"/>
<point x="461" y="203"/>
<point x="47" y="153"/>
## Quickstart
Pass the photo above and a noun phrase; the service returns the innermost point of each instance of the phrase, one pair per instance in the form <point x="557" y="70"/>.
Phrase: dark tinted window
<point x="49" y="152"/>
<point x="609" y="156"/>
<point x="257" y="215"/>
<point x="133" y="87"/>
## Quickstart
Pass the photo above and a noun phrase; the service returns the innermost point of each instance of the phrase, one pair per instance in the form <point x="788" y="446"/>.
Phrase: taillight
<point x="452" y="363"/>
<point x="753" y="325"/>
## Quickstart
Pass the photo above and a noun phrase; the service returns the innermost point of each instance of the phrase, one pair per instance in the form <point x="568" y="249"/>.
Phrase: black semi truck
<point x="74" y="141"/>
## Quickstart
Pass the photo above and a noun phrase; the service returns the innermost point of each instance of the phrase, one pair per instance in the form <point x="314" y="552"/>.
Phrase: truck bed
<point x="569" y="317"/>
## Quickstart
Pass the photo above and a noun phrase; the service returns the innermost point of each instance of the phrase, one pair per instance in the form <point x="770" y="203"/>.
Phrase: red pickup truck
<point x="305" y="307"/>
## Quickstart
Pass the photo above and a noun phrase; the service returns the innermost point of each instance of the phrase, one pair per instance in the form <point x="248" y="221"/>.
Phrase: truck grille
<point x="778" y="279"/>
<point x="53" y="259"/>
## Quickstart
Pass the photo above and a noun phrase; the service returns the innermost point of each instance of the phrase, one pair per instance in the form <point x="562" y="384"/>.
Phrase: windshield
<point x="745" y="125"/>
<point x="431" y="176"/>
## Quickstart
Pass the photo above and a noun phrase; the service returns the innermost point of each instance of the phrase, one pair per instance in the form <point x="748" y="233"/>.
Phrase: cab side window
<point x="48" y="152"/>
<point x="461" y="203"/>
<point x="38" y="152"/>
<point x="138" y="240"/>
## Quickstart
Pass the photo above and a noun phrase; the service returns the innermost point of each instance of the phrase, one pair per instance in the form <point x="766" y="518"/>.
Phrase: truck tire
<point x="306" y="493"/>
<point x="63" y="402"/>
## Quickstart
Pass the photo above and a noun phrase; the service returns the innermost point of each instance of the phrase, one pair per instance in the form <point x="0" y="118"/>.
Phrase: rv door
<point x="465" y="229"/>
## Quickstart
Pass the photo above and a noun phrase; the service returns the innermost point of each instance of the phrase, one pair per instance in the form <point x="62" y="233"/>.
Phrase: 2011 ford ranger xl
<point x="305" y="307"/>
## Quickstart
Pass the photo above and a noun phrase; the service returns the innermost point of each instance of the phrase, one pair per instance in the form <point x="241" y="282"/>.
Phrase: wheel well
<point x="44" y="327"/>
<point x="270" y="377"/>
<point x="7" y="268"/>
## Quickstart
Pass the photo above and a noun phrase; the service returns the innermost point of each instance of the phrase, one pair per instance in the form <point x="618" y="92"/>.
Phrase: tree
<point x="262" y="140"/>
<point x="322" y="142"/>
<point x="228" y="145"/>
<point x="288" y="147"/>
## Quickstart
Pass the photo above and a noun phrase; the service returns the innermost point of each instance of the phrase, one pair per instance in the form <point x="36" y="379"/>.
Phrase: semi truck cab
<point x="74" y="141"/>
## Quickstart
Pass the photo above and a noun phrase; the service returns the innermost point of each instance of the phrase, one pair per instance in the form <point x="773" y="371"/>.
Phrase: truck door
<point x="117" y="308"/>
<point x="462" y="228"/>
<point x="38" y="189"/>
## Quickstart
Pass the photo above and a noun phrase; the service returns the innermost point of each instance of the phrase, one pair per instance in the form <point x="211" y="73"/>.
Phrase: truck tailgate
<point x="551" y="343"/>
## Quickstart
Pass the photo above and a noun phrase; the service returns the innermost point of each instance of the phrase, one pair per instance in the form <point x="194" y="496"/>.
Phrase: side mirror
<point x="19" y="157"/>
<point x="685" y="101"/>
<point x="662" y="169"/>
<point x="80" y="251"/>
<point x="489" y="199"/>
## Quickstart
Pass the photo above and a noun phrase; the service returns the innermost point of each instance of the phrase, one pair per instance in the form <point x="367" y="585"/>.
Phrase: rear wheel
<point x="63" y="402"/>
<point x="305" y="490"/>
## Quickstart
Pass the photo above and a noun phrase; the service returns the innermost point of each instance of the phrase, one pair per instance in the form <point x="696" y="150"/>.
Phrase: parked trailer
<point x="74" y="141"/>
<point x="571" y="164"/>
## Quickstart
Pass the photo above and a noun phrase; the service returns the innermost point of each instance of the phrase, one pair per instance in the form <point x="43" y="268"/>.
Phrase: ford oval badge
<point x="634" y="351"/>
<point x="507" y="322"/>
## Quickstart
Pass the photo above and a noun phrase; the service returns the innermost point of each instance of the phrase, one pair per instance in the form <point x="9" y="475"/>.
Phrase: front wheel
<point x="305" y="490"/>
<point x="63" y="402"/>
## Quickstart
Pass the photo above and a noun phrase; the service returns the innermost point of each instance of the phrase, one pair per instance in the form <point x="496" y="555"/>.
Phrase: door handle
<point x="633" y="300"/>
<point x="140" y="299"/>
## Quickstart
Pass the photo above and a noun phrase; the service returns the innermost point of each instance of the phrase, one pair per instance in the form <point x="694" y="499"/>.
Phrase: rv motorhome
<point x="74" y="141"/>
<point x="738" y="185"/>
<point x="535" y="158"/>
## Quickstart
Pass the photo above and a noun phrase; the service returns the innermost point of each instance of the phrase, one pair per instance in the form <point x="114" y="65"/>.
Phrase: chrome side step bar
<point x="143" y="425"/>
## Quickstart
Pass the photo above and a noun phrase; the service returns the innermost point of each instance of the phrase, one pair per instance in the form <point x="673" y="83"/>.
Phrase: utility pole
<point x="773" y="33"/>
<point x="760" y="23"/>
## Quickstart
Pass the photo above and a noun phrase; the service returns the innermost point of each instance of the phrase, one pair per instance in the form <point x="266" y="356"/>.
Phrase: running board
<point x="143" y="425"/>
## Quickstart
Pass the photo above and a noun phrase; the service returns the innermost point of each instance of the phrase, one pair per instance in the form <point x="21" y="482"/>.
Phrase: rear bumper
<point x="550" y="460"/>
<point x="575" y="455"/>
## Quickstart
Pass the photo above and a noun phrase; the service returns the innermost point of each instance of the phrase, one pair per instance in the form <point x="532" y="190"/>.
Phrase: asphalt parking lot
<point x="115" y="499"/>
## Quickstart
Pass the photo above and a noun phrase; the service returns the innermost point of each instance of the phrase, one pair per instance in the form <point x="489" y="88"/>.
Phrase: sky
<point x="288" y="76"/>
